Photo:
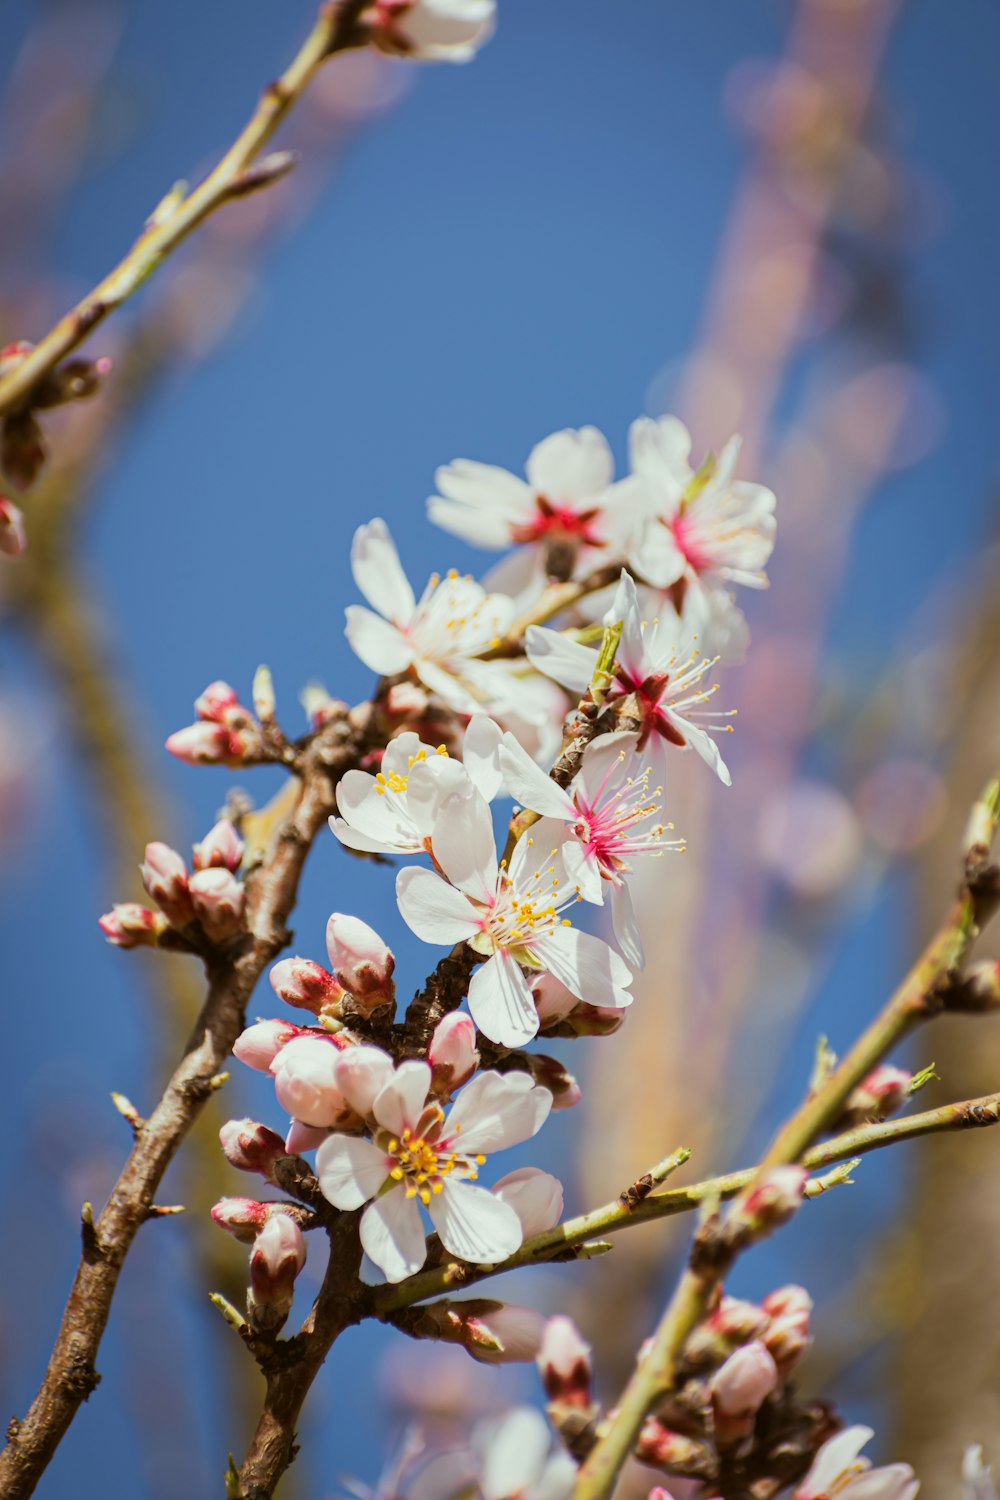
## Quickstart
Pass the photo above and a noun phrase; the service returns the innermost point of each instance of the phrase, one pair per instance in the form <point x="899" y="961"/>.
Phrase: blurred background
<point x="774" y="218"/>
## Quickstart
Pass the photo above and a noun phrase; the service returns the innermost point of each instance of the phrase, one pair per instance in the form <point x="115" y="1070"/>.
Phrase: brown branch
<point x="271" y="891"/>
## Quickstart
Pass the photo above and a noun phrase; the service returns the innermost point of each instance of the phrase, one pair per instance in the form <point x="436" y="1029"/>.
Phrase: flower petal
<point x="379" y="644"/>
<point x="574" y="464"/>
<point x="473" y="1224"/>
<point x="480" y="755"/>
<point x="626" y="925"/>
<point x="566" y="661"/>
<point x="497" y="1110"/>
<point x="379" y="575"/>
<point x="361" y="1073"/>
<point x="432" y="908"/>
<point x="535" y="1196"/>
<point x="350" y="1170"/>
<point x="401" y="1100"/>
<point x="513" y="1450"/>
<point x="529" y="785"/>
<point x="465" y="846"/>
<point x="587" y="966"/>
<point x="392" y="1234"/>
<point x="500" y="1001"/>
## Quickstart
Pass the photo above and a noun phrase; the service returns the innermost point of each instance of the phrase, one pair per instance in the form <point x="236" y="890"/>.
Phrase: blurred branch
<point x="241" y="170"/>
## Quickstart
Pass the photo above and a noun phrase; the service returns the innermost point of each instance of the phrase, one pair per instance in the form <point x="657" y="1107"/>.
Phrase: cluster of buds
<point x="564" y="1364"/>
<point x="358" y="983"/>
<point x="23" y="450"/>
<point x="210" y="895"/>
<point x="278" y="1255"/>
<point x="225" y="732"/>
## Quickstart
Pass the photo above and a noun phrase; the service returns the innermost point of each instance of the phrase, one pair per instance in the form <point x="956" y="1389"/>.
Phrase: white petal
<point x="480" y="755"/>
<point x="465" y="847"/>
<point x="429" y="784"/>
<point x="350" y="1170"/>
<point x="565" y="661"/>
<point x="836" y="1455"/>
<point x="392" y="1234"/>
<point x="587" y="966"/>
<point x="655" y="556"/>
<point x="500" y="1001"/>
<point x="575" y="464"/>
<point x="626" y="608"/>
<point x="529" y="785"/>
<point x="706" y="747"/>
<point x="378" y="574"/>
<point x="433" y="909"/>
<point x="660" y="454"/>
<point x="535" y="1196"/>
<point x="605" y="762"/>
<point x="514" y="1449"/>
<point x="497" y="1110"/>
<point x="353" y="838"/>
<point x="583" y="870"/>
<point x="361" y="1073"/>
<point x="891" y="1482"/>
<point x="477" y="527"/>
<point x="379" y="644"/>
<point x="400" y="1103"/>
<point x="485" y="488"/>
<point x="626" y="925"/>
<point x="473" y="1224"/>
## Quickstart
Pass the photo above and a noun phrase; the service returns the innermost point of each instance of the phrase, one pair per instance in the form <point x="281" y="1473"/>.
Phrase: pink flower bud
<point x="774" y="1200"/>
<point x="452" y="1052"/>
<point x="260" y="1043"/>
<point x="303" y="983"/>
<point x="221" y="846"/>
<point x="406" y="700"/>
<point x="980" y="989"/>
<point x="535" y="1196"/>
<point x="496" y="1333"/>
<point x="732" y="1322"/>
<point x="165" y="876"/>
<point x="13" y="353"/>
<point x="877" y="1096"/>
<point x="746" y="1379"/>
<point x="251" y="1147"/>
<point x="595" y="1020"/>
<point x="787" y="1334"/>
<point x="564" y="1364"/>
<point x="305" y="1080"/>
<point x="12" y="538"/>
<point x="552" y="999"/>
<point x="360" y="960"/>
<point x="279" y="1253"/>
<point x="241" y="1217"/>
<point x="129" y="925"/>
<point x="551" y="1074"/>
<point x="202" y="744"/>
<point x="214" y="701"/>
<point x="303" y="1138"/>
<point x="218" y="901"/>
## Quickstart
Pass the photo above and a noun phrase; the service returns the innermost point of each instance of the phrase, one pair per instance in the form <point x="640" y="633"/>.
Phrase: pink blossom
<point x="260" y="1043"/>
<point x="218" y="901"/>
<point x="535" y="1196"/>
<point x="305" y="1074"/>
<point x="279" y="1253"/>
<point x="565" y="1365"/>
<point x="360" y="960"/>
<point x="303" y="983"/>
<point x="452" y="1052"/>
<point x="241" y="1217"/>
<point x="432" y="30"/>
<point x="222" y="845"/>
<point x="165" y="877"/>
<point x="129" y="925"/>
<point x="838" y="1470"/>
<point x="251" y="1147"/>
<point x="748" y="1376"/>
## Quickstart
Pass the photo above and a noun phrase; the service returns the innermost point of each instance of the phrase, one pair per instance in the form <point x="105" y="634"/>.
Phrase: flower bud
<point x="876" y="1097"/>
<point x="535" y="1196"/>
<point x="241" y="1217"/>
<point x="361" y="961"/>
<point x="303" y="1138"/>
<point x="432" y="30"/>
<point x="221" y="846"/>
<point x="319" y="705"/>
<point x="496" y="1333"/>
<point x="660" y="1446"/>
<point x="260" y="1043"/>
<point x="550" y="1073"/>
<point x="218" y="901"/>
<point x="595" y="1020"/>
<point x="452" y="1052"/>
<point x="129" y="925"/>
<point x="787" y="1334"/>
<point x="742" y="1384"/>
<point x="203" y="744"/>
<point x="165" y="876"/>
<point x="12" y="538"/>
<point x="307" y="985"/>
<point x="278" y="1255"/>
<point x="553" y="1000"/>
<point x="773" y="1201"/>
<point x="305" y="1080"/>
<point x="217" y="698"/>
<point x="731" y="1323"/>
<point x="251" y="1147"/>
<point x="978" y="990"/>
<point x="564" y="1364"/>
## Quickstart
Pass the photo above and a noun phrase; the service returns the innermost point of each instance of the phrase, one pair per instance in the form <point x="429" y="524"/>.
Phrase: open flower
<point x="438" y="636"/>
<point x="612" y="817"/>
<point x="513" y="916"/>
<point x="706" y="527"/>
<point x="566" y="513"/>
<point x="418" y="1155"/>
<point x="509" y="1457"/>
<point x="394" y="812"/>
<point x="657" y="662"/>
<point x="837" y="1470"/>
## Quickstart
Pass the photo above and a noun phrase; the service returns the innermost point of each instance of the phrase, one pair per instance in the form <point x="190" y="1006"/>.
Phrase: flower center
<point x="422" y="1161"/>
<point x="553" y="521"/>
<point x="392" y="781"/>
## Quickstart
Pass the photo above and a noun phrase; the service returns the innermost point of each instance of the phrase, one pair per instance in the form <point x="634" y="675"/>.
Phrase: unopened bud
<point x="74" y="380"/>
<point x="12" y="354"/>
<point x="595" y="1020"/>
<point x="221" y="846"/>
<point x="731" y="1323"/>
<point x="217" y="698"/>
<point x="205" y="744"/>
<point x="876" y="1097"/>
<point x="553" y="1001"/>
<point x="251" y="1147"/>
<point x="12" y="537"/>
<point x="307" y="985"/>
<point x="165" y="876"/>
<point x="361" y="961"/>
<point x="535" y="1196"/>
<point x="22" y="450"/>
<point x="279" y="1253"/>
<point x="406" y="700"/>
<point x="243" y="1218"/>
<point x="218" y="901"/>
<point x="978" y="990"/>
<point x="496" y="1333"/>
<point x="773" y="1201"/>
<point x="263" y="172"/>
<point x="305" y="1080"/>
<point x="661" y="1446"/>
<point x="260" y="1043"/>
<point x="787" y="1334"/>
<point x="264" y="704"/>
<point x="743" y="1383"/>
<point x="303" y="1138"/>
<point x="129" y="925"/>
<point x="319" y="705"/>
<point x="550" y="1073"/>
<point x="564" y="1364"/>
<point x="452" y="1052"/>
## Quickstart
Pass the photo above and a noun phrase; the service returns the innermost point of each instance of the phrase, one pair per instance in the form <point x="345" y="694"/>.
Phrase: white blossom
<point x="837" y="1470"/>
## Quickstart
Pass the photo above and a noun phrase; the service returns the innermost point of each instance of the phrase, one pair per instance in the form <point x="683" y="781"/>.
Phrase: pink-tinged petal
<point x="497" y="1110"/>
<point x="529" y="785"/>
<point x="473" y="1224"/>
<point x="432" y="908"/>
<point x="465" y="846"/>
<point x="513" y="1450"/>
<point x="392" y="1235"/>
<point x="574" y="464"/>
<point x="362" y="1072"/>
<point x="500" y="1001"/>
<point x="586" y="965"/>
<point x="400" y="1102"/>
<point x="565" y="661"/>
<point x="583" y="869"/>
<point x="480" y="755"/>
<point x="890" y="1482"/>
<point x="535" y="1196"/>
<point x="302" y="1137"/>
<point x="379" y="644"/>
<point x="350" y="1170"/>
<point x="626" y="925"/>
<point x="605" y="764"/>
<point x="833" y="1458"/>
<point x="379" y="575"/>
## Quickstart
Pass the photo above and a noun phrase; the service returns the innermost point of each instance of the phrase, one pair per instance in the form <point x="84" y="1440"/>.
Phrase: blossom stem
<point x="553" y="600"/>
<point x="922" y="994"/>
<point x="335" y="29"/>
